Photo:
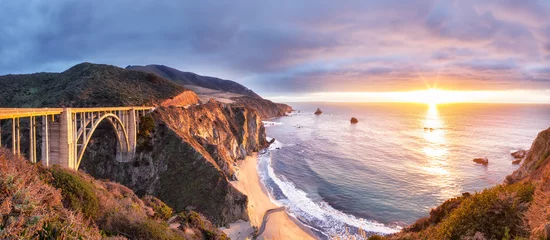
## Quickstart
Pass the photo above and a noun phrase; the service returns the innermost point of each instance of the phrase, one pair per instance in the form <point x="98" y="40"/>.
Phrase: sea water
<point x="393" y="166"/>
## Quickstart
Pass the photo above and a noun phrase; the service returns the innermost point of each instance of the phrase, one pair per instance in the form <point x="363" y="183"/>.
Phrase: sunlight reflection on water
<point x="436" y="150"/>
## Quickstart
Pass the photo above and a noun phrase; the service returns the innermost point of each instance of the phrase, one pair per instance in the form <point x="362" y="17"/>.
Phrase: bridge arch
<point x="87" y="130"/>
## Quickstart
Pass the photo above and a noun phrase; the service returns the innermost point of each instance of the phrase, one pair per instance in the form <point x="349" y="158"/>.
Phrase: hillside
<point x="225" y="91"/>
<point x="54" y="203"/>
<point x="192" y="79"/>
<point x="86" y="85"/>
<point x="517" y="209"/>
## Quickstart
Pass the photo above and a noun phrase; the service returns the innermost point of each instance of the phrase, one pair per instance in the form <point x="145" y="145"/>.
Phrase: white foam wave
<point x="325" y="218"/>
<point x="268" y="123"/>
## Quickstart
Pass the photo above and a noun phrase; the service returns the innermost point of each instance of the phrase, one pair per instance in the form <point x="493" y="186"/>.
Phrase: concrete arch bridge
<point x="66" y="132"/>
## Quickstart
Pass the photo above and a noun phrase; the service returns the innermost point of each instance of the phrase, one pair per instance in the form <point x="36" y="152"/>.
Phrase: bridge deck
<point x="9" y="113"/>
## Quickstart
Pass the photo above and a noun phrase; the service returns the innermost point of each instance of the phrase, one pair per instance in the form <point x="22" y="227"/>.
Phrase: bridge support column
<point x="132" y="131"/>
<point x="67" y="154"/>
<point x="45" y="141"/>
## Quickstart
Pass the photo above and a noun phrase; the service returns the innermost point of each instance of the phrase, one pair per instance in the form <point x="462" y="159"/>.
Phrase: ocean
<point x="392" y="167"/>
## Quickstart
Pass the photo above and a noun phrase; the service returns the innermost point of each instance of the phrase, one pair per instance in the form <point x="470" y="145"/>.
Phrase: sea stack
<point x="318" y="112"/>
<point x="483" y="161"/>
<point x="354" y="120"/>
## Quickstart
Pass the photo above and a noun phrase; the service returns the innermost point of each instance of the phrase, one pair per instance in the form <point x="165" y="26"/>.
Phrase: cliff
<point x="185" y="157"/>
<point x="266" y="108"/>
<point x="185" y="98"/>
<point x="186" y="154"/>
<point x="516" y="209"/>
<point x="537" y="156"/>
<point x="53" y="203"/>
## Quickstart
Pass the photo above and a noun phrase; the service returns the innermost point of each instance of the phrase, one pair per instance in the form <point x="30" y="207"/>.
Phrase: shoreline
<point x="278" y="225"/>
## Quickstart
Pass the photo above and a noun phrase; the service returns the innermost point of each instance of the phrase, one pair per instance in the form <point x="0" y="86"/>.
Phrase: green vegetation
<point x="205" y="229"/>
<point x="162" y="210"/>
<point x="77" y="193"/>
<point x="540" y="161"/>
<point x="86" y="85"/>
<point x="150" y="229"/>
<point x="31" y="209"/>
<point x="497" y="213"/>
<point x="376" y="237"/>
<point x="55" y="203"/>
<point x="146" y="128"/>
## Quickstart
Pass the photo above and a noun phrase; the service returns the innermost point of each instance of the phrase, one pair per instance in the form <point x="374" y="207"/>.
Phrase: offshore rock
<point x="187" y="158"/>
<point x="483" y="160"/>
<point x="519" y="154"/>
<point x="354" y="120"/>
<point x="318" y="112"/>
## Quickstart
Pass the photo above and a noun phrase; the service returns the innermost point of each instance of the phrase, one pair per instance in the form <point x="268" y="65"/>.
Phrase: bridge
<point x="66" y="132"/>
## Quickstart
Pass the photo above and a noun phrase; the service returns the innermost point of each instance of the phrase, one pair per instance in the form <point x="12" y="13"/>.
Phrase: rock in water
<point x="519" y="154"/>
<point x="483" y="161"/>
<point x="517" y="161"/>
<point x="354" y="120"/>
<point x="318" y="112"/>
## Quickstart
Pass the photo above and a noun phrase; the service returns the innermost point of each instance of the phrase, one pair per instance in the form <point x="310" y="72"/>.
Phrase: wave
<point x="317" y="215"/>
<point x="268" y="123"/>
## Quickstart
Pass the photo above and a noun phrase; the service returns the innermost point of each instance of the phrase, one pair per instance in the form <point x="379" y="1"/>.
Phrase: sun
<point x="432" y="96"/>
<point x="435" y="96"/>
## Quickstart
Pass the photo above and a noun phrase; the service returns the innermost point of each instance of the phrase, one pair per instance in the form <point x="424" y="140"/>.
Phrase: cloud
<point x="298" y="46"/>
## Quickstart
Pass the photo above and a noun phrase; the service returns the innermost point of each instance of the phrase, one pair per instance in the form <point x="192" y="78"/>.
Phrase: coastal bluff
<point x="186" y="157"/>
<point x="186" y="148"/>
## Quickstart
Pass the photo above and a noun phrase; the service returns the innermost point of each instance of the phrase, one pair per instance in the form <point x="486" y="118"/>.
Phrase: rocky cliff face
<point x="186" y="158"/>
<point x="536" y="157"/>
<point x="185" y="98"/>
<point x="266" y="108"/>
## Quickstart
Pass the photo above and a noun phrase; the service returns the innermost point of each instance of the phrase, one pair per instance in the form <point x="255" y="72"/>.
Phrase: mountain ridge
<point x="190" y="78"/>
<point x="87" y="85"/>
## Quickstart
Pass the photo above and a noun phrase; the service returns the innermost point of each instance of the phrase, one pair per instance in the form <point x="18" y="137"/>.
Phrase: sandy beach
<point x="279" y="224"/>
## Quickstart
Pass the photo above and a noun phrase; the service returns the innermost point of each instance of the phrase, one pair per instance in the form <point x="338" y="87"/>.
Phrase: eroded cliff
<point x="185" y="157"/>
<point x="266" y="108"/>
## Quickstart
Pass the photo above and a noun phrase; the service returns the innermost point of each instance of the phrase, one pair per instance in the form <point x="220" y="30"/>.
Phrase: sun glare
<point x="433" y="96"/>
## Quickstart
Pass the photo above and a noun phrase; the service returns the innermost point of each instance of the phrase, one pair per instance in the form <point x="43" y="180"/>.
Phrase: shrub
<point x="200" y="226"/>
<point x="149" y="229"/>
<point x="31" y="209"/>
<point x="496" y="212"/>
<point x="146" y="127"/>
<point x="162" y="210"/>
<point x="376" y="237"/>
<point x="437" y="214"/>
<point x="78" y="194"/>
<point x="540" y="161"/>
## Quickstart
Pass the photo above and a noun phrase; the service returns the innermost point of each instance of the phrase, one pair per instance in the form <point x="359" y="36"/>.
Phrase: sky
<point x="291" y="49"/>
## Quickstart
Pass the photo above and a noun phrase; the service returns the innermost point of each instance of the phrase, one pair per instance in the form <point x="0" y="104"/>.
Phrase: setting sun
<point x="433" y="96"/>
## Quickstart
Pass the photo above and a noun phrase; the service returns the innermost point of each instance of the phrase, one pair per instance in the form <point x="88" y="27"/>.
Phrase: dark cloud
<point x="279" y="46"/>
